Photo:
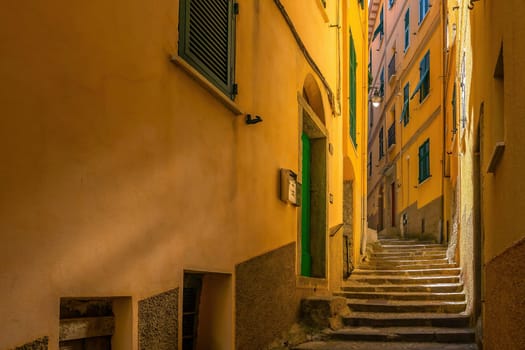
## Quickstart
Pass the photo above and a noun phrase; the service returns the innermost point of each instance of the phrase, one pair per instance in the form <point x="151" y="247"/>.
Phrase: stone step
<point x="402" y="249"/>
<point x="408" y="272"/>
<point x="383" y="305"/>
<point x="407" y="255"/>
<point x="356" y="345"/>
<point x="387" y="279"/>
<point x="405" y="242"/>
<point x="455" y="296"/>
<point x="409" y="288"/>
<point x="411" y="246"/>
<point x="375" y="319"/>
<point x="424" y="262"/>
<point x="405" y="334"/>
<point x="393" y="266"/>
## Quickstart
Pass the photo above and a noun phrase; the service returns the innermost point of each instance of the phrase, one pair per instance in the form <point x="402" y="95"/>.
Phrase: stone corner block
<point x="324" y="312"/>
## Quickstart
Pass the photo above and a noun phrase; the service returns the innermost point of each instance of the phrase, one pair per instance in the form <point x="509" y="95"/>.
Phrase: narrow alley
<point x="262" y="175"/>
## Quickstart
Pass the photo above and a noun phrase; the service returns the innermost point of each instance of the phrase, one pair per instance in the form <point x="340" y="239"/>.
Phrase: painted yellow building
<point x="405" y="168"/>
<point x="155" y="162"/>
<point x="486" y="161"/>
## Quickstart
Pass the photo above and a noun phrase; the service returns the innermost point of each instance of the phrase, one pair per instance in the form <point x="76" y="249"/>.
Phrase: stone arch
<point x="312" y="95"/>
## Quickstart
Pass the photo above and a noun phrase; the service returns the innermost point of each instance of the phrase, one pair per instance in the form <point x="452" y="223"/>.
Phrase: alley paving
<point x="407" y="295"/>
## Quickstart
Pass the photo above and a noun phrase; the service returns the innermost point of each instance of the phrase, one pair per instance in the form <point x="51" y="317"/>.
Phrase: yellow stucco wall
<point x="120" y="171"/>
<point x="355" y="24"/>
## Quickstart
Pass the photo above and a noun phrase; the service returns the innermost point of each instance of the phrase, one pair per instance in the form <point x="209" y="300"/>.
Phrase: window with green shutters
<point x="353" y="92"/>
<point x="369" y="164"/>
<point x="454" y="111"/>
<point x="407" y="29"/>
<point x="362" y="3"/>
<point x="207" y="40"/>
<point x="423" y="87"/>
<point x="380" y="27"/>
<point x="381" y="143"/>
<point x="405" y="114"/>
<point x="382" y="82"/>
<point x="424" y="6"/>
<point x="424" y="161"/>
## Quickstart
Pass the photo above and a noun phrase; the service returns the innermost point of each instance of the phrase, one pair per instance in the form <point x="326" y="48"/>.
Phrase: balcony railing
<point x="392" y="135"/>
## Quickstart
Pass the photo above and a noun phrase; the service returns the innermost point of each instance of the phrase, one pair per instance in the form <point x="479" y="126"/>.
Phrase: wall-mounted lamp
<point x="376" y="97"/>
<point x="255" y="120"/>
<point x="471" y="5"/>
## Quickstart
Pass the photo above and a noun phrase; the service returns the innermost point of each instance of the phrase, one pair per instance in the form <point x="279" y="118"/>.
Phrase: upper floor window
<point x="391" y="3"/>
<point x="424" y="161"/>
<point x="382" y="82"/>
<point x="362" y="3"/>
<point x="369" y="164"/>
<point x="380" y="27"/>
<point x="454" y="111"/>
<point x="424" y="78"/>
<point x="381" y="143"/>
<point x="405" y="114"/>
<point x="423" y="9"/>
<point x="407" y="29"/>
<point x="392" y="67"/>
<point x="207" y="40"/>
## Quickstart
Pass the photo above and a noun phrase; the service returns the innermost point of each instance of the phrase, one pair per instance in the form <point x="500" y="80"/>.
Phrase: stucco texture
<point x="505" y="300"/>
<point x="39" y="344"/>
<point x="158" y="321"/>
<point x="267" y="302"/>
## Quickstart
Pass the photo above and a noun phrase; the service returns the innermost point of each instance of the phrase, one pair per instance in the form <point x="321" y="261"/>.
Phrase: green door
<point x="306" y="258"/>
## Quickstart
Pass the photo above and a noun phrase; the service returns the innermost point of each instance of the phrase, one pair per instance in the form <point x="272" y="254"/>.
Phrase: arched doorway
<point x="314" y="207"/>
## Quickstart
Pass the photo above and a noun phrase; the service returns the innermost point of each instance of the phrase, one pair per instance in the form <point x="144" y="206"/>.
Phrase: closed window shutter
<point x="407" y="29"/>
<point x="424" y="161"/>
<point x="207" y="35"/>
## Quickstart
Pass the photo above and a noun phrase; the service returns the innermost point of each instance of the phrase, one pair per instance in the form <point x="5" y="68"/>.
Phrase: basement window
<point x="95" y="323"/>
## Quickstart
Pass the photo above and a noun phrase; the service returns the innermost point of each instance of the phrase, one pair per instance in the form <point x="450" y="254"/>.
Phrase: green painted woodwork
<point x="306" y="258"/>
<point x="207" y="40"/>
<point x="353" y="92"/>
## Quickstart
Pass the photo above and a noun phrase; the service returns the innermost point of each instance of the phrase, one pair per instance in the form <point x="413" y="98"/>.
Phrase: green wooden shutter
<point x="407" y="29"/>
<point x="207" y="40"/>
<point x="424" y="161"/>
<point x="353" y="94"/>
<point x="405" y="114"/>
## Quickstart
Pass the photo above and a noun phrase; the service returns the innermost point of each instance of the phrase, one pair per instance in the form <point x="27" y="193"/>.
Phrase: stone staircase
<point x="405" y="296"/>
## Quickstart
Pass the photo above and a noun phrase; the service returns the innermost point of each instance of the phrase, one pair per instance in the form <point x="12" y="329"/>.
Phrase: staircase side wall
<point x="504" y="319"/>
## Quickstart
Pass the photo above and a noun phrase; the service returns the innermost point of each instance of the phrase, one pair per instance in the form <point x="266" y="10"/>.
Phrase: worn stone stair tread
<point x="424" y="287"/>
<point x="402" y="330"/>
<point x="437" y="265"/>
<point x="443" y="271"/>
<point x="386" y="279"/>
<point x="412" y="246"/>
<point x="363" y="345"/>
<point x="406" y="306"/>
<point x="435" y="334"/>
<point x="458" y="296"/>
<point x="403" y="302"/>
<point x="385" y="319"/>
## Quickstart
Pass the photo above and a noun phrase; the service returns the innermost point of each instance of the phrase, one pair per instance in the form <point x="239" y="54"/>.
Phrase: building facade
<point x="484" y="141"/>
<point x="174" y="172"/>
<point x="405" y="165"/>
